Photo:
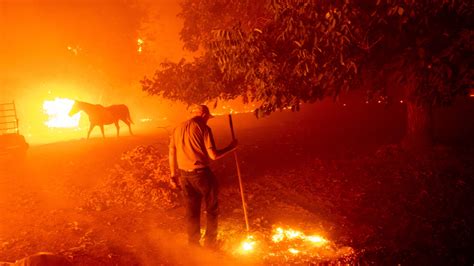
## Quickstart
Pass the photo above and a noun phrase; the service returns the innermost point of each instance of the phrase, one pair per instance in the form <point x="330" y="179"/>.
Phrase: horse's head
<point x="75" y="108"/>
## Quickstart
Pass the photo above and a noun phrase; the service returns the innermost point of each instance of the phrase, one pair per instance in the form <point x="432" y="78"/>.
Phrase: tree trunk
<point x="419" y="131"/>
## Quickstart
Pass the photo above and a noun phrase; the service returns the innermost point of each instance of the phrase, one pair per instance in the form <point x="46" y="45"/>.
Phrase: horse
<point x="100" y="115"/>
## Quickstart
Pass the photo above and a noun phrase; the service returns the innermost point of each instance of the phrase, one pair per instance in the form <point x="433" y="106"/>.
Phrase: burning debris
<point x="281" y="235"/>
<point x="296" y="246"/>
<point x="285" y="244"/>
<point x="57" y="111"/>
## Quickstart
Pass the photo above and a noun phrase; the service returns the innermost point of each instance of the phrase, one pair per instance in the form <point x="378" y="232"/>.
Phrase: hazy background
<point x="86" y="50"/>
<point x="89" y="50"/>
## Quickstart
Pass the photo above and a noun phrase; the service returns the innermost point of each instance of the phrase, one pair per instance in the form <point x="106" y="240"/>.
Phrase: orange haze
<point x="86" y="50"/>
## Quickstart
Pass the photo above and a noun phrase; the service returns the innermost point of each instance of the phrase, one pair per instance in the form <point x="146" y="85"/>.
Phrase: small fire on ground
<point x="294" y="246"/>
<point x="57" y="111"/>
<point x="281" y="235"/>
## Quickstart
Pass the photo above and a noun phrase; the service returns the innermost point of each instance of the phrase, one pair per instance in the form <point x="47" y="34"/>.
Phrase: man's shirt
<point x="191" y="140"/>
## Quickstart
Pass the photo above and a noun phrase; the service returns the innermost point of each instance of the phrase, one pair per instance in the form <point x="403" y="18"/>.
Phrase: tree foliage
<point x="284" y="52"/>
<point x="424" y="49"/>
<point x="204" y="16"/>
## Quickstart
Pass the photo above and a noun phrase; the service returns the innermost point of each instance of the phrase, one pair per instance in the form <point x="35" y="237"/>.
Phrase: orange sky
<point x="102" y="36"/>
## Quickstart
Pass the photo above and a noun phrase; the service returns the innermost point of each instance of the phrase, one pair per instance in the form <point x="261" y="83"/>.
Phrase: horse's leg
<point x="129" y="128"/>
<point x="127" y="121"/>
<point x="91" y="126"/>
<point x="102" y="130"/>
<point x="117" y="127"/>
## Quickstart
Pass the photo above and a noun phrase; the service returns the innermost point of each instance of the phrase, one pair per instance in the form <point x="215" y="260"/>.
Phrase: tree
<point x="423" y="56"/>
<point x="277" y="59"/>
<point x="288" y="52"/>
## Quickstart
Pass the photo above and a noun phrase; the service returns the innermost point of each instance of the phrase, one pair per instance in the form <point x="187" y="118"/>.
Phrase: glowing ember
<point x="291" y="234"/>
<point x="74" y="50"/>
<point x="317" y="240"/>
<point x="281" y="234"/>
<point x="293" y="251"/>
<point x="248" y="245"/>
<point x="140" y="45"/>
<point x="228" y="109"/>
<point x="297" y="248"/>
<point x="144" y="120"/>
<point x="57" y="112"/>
<point x="293" y="246"/>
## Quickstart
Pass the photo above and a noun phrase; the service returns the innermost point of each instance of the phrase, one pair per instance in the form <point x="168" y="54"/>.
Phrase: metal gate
<point x="11" y="142"/>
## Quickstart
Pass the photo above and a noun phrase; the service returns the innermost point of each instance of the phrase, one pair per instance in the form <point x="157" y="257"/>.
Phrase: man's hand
<point x="174" y="182"/>
<point x="233" y="144"/>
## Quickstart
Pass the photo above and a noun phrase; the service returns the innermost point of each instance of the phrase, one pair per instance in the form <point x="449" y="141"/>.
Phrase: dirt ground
<point x="375" y="203"/>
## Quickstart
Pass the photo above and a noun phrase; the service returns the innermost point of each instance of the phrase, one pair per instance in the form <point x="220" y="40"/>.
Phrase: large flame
<point x="58" y="113"/>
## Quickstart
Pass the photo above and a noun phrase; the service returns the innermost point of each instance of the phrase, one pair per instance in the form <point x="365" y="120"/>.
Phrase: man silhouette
<point x="190" y="151"/>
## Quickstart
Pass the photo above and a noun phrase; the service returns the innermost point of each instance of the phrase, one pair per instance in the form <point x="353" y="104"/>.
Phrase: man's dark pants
<point x="200" y="185"/>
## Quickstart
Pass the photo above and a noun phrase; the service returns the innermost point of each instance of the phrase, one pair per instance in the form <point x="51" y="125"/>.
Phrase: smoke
<point x="171" y="249"/>
<point x="86" y="50"/>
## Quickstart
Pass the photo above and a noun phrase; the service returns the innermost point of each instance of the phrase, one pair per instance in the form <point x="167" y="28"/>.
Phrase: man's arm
<point x="172" y="161"/>
<point x="215" y="154"/>
<point x="173" y="164"/>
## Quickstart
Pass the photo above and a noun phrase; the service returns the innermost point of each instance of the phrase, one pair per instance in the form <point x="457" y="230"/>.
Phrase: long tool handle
<point x="244" y="206"/>
<point x="231" y="127"/>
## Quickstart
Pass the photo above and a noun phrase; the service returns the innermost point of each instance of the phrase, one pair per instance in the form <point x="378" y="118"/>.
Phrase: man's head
<point x="202" y="111"/>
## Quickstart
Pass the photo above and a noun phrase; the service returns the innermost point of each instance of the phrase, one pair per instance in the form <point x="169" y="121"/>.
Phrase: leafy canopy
<point x="423" y="49"/>
<point x="282" y="53"/>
